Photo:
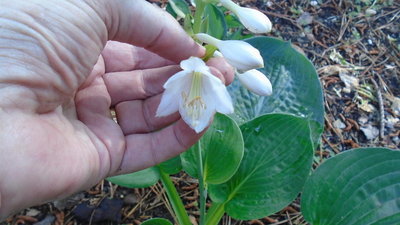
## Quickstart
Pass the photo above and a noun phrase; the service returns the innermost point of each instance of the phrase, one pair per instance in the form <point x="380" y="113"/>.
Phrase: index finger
<point x="119" y="57"/>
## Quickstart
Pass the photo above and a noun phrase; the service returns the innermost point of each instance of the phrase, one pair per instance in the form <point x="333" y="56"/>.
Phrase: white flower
<point x="256" y="82"/>
<point x="239" y="54"/>
<point x="196" y="93"/>
<point x="254" y="20"/>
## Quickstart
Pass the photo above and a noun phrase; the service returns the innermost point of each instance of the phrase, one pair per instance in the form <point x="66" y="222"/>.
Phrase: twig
<point x="381" y="109"/>
<point x="345" y="23"/>
<point x="330" y="145"/>
<point x="136" y="206"/>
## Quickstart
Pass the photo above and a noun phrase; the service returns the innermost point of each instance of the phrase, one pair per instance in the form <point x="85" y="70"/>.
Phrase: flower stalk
<point x="175" y="200"/>
<point x="198" y="95"/>
<point x="202" y="186"/>
<point x="215" y="213"/>
<point x="198" y="15"/>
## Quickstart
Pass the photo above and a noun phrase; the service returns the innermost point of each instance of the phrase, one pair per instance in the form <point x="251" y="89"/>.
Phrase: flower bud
<point x="256" y="82"/>
<point x="254" y="20"/>
<point x="241" y="55"/>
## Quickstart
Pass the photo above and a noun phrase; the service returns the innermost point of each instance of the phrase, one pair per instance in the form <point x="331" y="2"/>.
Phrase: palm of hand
<point x="60" y="136"/>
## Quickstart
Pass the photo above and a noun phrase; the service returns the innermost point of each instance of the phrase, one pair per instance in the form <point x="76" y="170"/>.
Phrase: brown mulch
<point x="356" y="51"/>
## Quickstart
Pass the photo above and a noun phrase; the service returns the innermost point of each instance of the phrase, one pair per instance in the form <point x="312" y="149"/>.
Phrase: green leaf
<point x="357" y="187"/>
<point x="175" y="7"/>
<point x="233" y="22"/>
<point x="171" y="166"/>
<point x="235" y="29"/>
<point x="276" y="163"/>
<point x="170" y="10"/>
<point x="222" y="151"/>
<point x="176" y="202"/>
<point x="295" y="83"/>
<point x="157" y="221"/>
<point x="238" y="35"/>
<point x="214" y="23"/>
<point x="140" y="179"/>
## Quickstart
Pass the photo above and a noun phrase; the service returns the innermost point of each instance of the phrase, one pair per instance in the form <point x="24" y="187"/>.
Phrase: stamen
<point x="194" y="104"/>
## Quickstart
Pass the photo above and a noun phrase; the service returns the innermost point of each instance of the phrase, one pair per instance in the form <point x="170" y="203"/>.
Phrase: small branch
<point x="381" y="109"/>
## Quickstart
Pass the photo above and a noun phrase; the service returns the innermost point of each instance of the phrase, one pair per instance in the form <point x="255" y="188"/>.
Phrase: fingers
<point x="222" y="69"/>
<point x="120" y="56"/>
<point x="139" y="116"/>
<point x="164" y="144"/>
<point x="140" y="84"/>
<point x="137" y="84"/>
<point x="125" y="57"/>
<point x="93" y="109"/>
<point x="145" y="25"/>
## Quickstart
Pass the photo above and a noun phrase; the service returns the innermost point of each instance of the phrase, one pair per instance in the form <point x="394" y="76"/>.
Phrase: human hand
<point x="57" y="136"/>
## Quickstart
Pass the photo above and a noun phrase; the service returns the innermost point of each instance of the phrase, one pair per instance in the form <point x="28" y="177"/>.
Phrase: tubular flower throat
<point x="193" y="104"/>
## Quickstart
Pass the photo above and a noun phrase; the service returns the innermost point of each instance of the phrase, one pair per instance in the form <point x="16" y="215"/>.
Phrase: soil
<point x="355" y="47"/>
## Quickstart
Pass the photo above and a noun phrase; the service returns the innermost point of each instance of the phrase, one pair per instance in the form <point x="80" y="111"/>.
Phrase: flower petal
<point x="256" y="82"/>
<point x="199" y="120"/>
<point x="174" y="87"/>
<point x="200" y="123"/>
<point x="216" y="92"/>
<point x="169" y="103"/>
<point x="192" y="63"/>
<point x="176" y="78"/>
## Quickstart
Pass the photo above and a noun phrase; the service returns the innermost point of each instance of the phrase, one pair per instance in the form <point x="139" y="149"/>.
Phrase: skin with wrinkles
<point x="59" y="77"/>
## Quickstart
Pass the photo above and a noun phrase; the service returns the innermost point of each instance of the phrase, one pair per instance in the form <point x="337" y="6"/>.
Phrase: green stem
<point x="210" y="50"/>
<point x="198" y="16"/>
<point x="202" y="188"/>
<point x="176" y="202"/>
<point x="215" y="213"/>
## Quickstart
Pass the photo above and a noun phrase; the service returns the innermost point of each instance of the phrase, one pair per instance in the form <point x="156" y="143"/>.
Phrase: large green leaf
<point x="357" y="187"/>
<point x="171" y="166"/>
<point x="140" y="179"/>
<point x="276" y="163"/>
<point x="214" y="22"/>
<point x="295" y="83"/>
<point x="222" y="151"/>
<point x="157" y="221"/>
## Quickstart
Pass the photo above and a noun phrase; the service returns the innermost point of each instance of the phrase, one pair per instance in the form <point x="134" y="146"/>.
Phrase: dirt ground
<point x="355" y="47"/>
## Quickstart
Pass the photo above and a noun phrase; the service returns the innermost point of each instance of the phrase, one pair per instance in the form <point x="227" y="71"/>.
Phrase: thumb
<point x="142" y="24"/>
